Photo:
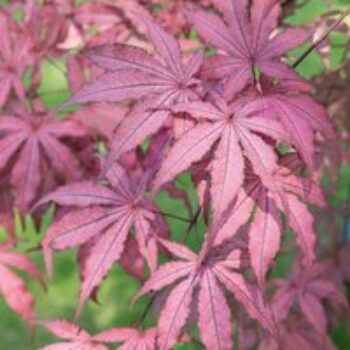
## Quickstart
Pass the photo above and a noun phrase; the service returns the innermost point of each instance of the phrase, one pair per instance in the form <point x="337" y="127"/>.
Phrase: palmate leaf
<point x="132" y="74"/>
<point x="264" y="236"/>
<point x="12" y="287"/>
<point x="15" y="57"/>
<point x="235" y="133"/>
<point x="208" y="271"/>
<point x="299" y="114"/>
<point x="100" y="119"/>
<point x="33" y="141"/>
<point x="214" y="314"/>
<point x="78" y="339"/>
<point x="261" y="204"/>
<point x="102" y="217"/>
<point x="246" y="42"/>
<point x="308" y="288"/>
<point x="299" y="335"/>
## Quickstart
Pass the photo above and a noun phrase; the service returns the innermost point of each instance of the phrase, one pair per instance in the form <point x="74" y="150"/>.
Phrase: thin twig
<point x="170" y="215"/>
<point x="53" y="63"/>
<point x="145" y="311"/>
<point x="193" y="222"/>
<point x="320" y="40"/>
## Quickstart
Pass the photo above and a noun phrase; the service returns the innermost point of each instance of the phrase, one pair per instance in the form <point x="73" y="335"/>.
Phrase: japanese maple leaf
<point x="46" y="28"/>
<point x="14" y="58"/>
<point x="208" y="271"/>
<point x="105" y="214"/>
<point x="79" y="339"/>
<point x="134" y="74"/>
<point x="131" y="339"/>
<point x="235" y="133"/>
<point x="12" y="288"/>
<point x="101" y="119"/>
<point x="33" y="141"/>
<point x="284" y="192"/>
<point x="299" y="114"/>
<point x="245" y="42"/>
<point x="307" y="288"/>
<point x="172" y="15"/>
<point x="6" y="208"/>
<point x="297" y="336"/>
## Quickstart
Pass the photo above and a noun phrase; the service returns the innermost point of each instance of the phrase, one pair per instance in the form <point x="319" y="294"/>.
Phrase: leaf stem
<point x="173" y="216"/>
<point x="193" y="222"/>
<point x="145" y="311"/>
<point x="320" y="40"/>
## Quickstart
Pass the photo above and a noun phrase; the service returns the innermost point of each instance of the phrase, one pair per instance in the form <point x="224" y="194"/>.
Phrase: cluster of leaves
<point x="167" y="88"/>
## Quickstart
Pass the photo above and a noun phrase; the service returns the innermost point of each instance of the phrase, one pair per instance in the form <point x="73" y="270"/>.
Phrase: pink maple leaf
<point x="14" y="59"/>
<point x="12" y="287"/>
<point x="295" y="336"/>
<point x="282" y="192"/>
<point x="234" y="131"/>
<point x="297" y="112"/>
<point x="245" y="42"/>
<point x="35" y="141"/>
<point x="209" y="271"/>
<point x="133" y="74"/>
<point x="104" y="214"/>
<point x="45" y="28"/>
<point x="78" y="339"/>
<point x="307" y="289"/>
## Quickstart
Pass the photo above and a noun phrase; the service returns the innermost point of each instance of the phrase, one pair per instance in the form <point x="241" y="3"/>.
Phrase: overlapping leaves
<point x="210" y="270"/>
<point x="101" y="217"/>
<point x="32" y="143"/>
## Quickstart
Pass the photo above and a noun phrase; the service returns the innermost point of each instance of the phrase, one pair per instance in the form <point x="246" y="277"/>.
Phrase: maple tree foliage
<point x="235" y="131"/>
<point x="209" y="270"/>
<point x="165" y="88"/>
<point x="12" y="287"/>
<point x="79" y="339"/>
<point x="33" y="139"/>
<point x="308" y="288"/>
<point x="246" y="41"/>
<point x="14" y="52"/>
<point x="133" y="74"/>
<point x="106" y="216"/>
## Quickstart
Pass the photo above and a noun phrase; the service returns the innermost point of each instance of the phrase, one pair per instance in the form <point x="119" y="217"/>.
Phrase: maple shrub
<point x="184" y="147"/>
